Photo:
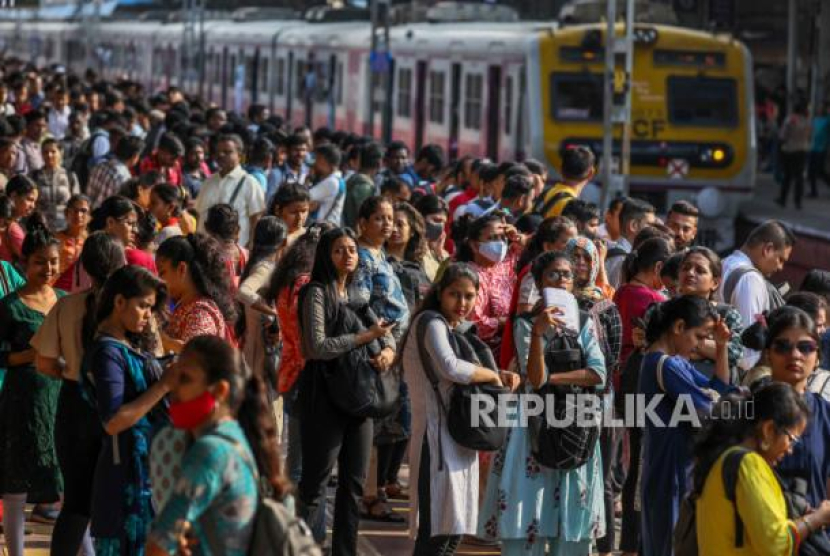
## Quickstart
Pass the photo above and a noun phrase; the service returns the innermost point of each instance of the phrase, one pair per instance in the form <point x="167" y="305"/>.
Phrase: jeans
<point x="294" y="469"/>
<point x="608" y="442"/>
<point x="425" y="543"/>
<point x="346" y="440"/>
<point x="816" y="171"/>
<point x="793" y="163"/>
<point x="630" y="534"/>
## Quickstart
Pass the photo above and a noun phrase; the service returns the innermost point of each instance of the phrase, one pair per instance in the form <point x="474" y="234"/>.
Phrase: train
<point x="501" y="90"/>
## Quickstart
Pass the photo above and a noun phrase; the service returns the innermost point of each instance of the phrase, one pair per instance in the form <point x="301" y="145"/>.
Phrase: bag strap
<point x="6" y="288"/>
<point x="730" y="471"/>
<point x="237" y="189"/>
<point x="555" y="198"/>
<point x="660" y="381"/>
<point x="426" y="363"/>
<point x="733" y="281"/>
<point x="341" y="190"/>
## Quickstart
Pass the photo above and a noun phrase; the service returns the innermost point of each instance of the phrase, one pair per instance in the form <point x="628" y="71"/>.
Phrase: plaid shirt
<point x="106" y="180"/>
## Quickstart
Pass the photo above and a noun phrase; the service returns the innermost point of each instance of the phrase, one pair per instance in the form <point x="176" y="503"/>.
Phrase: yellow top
<point x="761" y="505"/>
<point x="567" y="193"/>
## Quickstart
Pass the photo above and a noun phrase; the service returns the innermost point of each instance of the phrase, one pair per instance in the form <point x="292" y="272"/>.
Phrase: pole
<point x="625" y="154"/>
<point x="386" y="132"/>
<point x="373" y="10"/>
<point x="792" y="46"/>
<point x="608" y="104"/>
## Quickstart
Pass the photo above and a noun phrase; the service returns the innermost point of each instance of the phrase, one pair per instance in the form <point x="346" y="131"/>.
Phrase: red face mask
<point x="191" y="414"/>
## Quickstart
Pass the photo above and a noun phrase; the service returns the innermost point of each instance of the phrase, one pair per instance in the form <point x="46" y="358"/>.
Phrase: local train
<point x="498" y="90"/>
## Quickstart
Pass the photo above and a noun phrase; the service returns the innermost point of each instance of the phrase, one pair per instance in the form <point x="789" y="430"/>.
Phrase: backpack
<point x="685" y="530"/>
<point x="276" y="531"/>
<point x="82" y="161"/>
<point x="564" y="447"/>
<point x="548" y="203"/>
<point x="795" y="489"/>
<point x="774" y="297"/>
<point x="467" y="346"/>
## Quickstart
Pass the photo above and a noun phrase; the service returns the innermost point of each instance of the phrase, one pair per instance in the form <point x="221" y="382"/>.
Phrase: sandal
<point x="386" y="515"/>
<point x="396" y="491"/>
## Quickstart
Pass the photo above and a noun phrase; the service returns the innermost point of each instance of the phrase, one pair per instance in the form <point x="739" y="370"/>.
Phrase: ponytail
<point x="694" y="311"/>
<point x="645" y="257"/>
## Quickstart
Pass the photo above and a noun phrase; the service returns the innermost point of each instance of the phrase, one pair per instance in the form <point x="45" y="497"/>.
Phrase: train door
<point x="289" y="86"/>
<point x="255" y="86"/>
<point x="493" y="111"/>
<point x="455" y="114"/>
<point x="226" y="69"/>
<point x="521" y="130"/>
<point x="420" y="102"/>
<point x="331" y="91"/>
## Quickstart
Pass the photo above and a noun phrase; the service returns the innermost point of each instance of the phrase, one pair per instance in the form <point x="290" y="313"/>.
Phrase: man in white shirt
<point x="58" y="117"/>
<point x="745" y="272"/>
<point x="634" y="216"/>
<point x="234" y="186"/>
<point x="328" y="194"/>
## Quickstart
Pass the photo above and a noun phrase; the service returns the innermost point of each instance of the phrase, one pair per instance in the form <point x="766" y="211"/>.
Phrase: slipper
<point x="386" y="516"/>
<point x="396" y="492"/>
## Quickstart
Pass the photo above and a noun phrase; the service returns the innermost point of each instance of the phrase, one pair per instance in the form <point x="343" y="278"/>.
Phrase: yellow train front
<point x="692" y="116"/>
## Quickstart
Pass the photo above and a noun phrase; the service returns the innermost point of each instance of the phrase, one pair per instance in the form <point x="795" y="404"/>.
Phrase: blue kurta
<point x="810" y="458"/>
<point x="529" y="504"/>
<point x="667" y="457"/>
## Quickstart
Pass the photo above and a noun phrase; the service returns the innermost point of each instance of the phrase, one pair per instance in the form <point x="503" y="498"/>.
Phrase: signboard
<point x="677" y="168"/>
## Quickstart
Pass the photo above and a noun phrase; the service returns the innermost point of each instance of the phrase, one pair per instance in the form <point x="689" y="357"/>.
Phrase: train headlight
<point x="718" y="155"/>
<point x="711" y="202"/>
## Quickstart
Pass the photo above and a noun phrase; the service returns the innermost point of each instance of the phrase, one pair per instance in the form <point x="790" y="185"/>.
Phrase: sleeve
<point x="192" y="495"/>
<point x="681" y="379"/>
<point x="750" y="297"/>
<point x="74" y="187"/>
<point x="594" y="358"/>
<point x="324" y="191"/>
<point x="612" y="321"/>
<point x="521" y="338"/>
<point x="736" y="326"/>
<point x="256" y="197"/>
<point x="487" y="326"/>
<point x="108" y="370"/>
<point x="762" y="509"/>
<point x="16" y="235"/>
<point x="46" y="340"/>
<point x="100" y="147"/>
<point x="197" y="323"/>
<point x="16" y="281"/>
<point x="316" y="345"/>
<point x="362" y="280"/>
<point x="248" y="293"/>
<point x="446" y="364"/>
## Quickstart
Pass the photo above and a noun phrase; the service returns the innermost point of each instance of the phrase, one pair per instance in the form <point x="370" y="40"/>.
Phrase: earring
<point x="764" y="445"/>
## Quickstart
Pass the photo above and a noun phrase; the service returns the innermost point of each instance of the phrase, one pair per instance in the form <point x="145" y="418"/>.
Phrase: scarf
<point x="589" y="290"/>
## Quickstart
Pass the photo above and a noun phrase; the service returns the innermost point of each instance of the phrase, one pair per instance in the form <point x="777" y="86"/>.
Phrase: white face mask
<point x="493" y="251"/>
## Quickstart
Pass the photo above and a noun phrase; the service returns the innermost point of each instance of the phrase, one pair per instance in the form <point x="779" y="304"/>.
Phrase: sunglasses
<point x="785" y="347"/>
<point x="556" y="275"/>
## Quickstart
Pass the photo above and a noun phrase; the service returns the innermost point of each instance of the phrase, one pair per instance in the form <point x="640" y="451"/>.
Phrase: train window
<point x="250" y="74"/>
<point x="473" y="97"/>
<point x="405" y="92"/>
<point x="280" y="77"/>
<point x="576" y="96"/>
<point x="508" y="104"/>
<point x="263" y="74"/>
<point x="702" y="101"/>
<point x="300" y="79"/>
<point x="436" y="96"/>
<point x="338" y="83"/>
<point x="232" y="71"/>
<point x="689" y="58"/>
<point x="377" y="90"/>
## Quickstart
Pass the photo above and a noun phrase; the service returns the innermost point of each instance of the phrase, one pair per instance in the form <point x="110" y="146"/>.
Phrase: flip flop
<point x="387" y="516"/>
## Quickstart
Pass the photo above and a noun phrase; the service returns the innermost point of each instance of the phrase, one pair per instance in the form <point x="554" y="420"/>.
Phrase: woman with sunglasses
<point x="766" y="426"/>
<point x="526" y="505"/>
<point x="791" y="349"/>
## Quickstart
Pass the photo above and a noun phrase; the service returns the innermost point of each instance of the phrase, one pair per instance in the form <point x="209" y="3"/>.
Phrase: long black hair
<point x="170" y="195"/>
<point x="222" y="222"/>
<point x="468" y="229"/>
<point x="416" y="248"/>
<point x="248" y="401"/>
<point x="101" y="255"/>
<point x="37" y="238"/>
<point x="323" y="270"/>
<point x="131" y="281"/>
<point x="432" y="300"/>
<point x="540" y="263"/>
<point x="550" y="230"/>
<point x="269" y="235"/>
<point x="694" y="311"/>
<point x="649" y="253"/>
<point x="299" y="259"/>
<point x="206" y="267"/>
<point x="113" y="207"/>
<point x="737" y="417"/>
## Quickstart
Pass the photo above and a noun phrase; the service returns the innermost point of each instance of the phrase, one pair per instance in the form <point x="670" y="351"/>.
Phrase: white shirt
<point x="749" y="297"/>
<point x="327" y="193"/>
<point x="219" y="189"/>
<point x="614" y="266"/>
<point x="58" y="122"/>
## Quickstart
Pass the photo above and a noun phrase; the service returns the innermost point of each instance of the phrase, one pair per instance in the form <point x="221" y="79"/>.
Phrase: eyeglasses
<point x="785" y="347"/>
<point x="131" y="223"/>
<point x="556" y="275"/>
<point x="793" y="438"/>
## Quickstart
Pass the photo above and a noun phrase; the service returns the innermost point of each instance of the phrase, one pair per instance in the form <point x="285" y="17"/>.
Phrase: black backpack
<point x="81" y="163"/>
<point x="795" y="490"/>
<point x="568" y="447"/>
<point x="685" y="530"/>
<point x="464" y="397"/>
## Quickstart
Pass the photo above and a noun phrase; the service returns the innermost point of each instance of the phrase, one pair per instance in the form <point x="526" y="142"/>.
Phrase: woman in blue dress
<point x="222" y="404"/>
<point x="792" y="351"/>
<point x="534" y="510"/>
<point x="675" y="330"/>
<point x="127" y="388"/>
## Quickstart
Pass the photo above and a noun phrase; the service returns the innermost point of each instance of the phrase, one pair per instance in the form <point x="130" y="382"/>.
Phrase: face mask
<point x="493" y="251"/>
<point x="434" y="230"/>
<point x="189" y="415"/>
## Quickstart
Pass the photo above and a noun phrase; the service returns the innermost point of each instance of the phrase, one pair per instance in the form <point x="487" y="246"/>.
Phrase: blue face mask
<point x="493" y="251"/>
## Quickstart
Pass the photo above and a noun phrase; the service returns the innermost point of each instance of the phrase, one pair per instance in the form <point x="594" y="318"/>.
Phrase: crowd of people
<point x="184" y="290"/>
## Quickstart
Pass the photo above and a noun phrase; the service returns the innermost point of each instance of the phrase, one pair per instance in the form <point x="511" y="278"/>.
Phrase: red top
<point x="141" y="258"/>
<point x="196" y="318"/>
<point x="292" y="361"/>
<point x="632" y="300"/>
<point x="171" y="175"/>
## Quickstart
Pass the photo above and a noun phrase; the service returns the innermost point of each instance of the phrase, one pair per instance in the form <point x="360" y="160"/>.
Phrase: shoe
<point x="44" y="514"/>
